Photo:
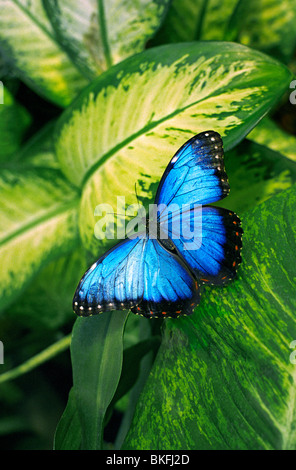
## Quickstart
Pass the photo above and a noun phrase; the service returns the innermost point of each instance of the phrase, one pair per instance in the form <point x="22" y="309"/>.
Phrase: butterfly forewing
<point x="212" y="247"/>
<point x="196" y="173"/>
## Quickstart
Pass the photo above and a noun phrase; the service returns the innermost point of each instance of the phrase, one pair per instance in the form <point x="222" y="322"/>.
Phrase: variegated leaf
<point x="189" y="20"/>
<point x="226" y="375"/>
<point x="255" y="174"/>
<point x="14" y="121"/>
<point x="99" y="33"/>
<point x="270" y="27"/>
<point x="268" y="133"/>
<point x="267" y="25"/>
<point x="125" y="128"/>
<point x="26" y="36"/>
<point x="38" y="217"/>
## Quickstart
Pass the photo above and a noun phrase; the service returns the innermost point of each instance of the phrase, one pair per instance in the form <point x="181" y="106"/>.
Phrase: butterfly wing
<point x="137" y="274"/>
<point x="196" y="173"/>
<point x="169" y="288"/>
<point x="209" y="241"/>
<point x="196" y="176"/>
<point x="150" y="277"/>
<point x="114" y="282"/>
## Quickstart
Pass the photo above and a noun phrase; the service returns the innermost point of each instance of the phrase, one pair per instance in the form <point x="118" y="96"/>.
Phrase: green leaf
<point x="132" y="358"/>
<point x="139" y="378"/>
<point x="182" y="22"/>
<point x="224" y="375"/>
<point x="47" y="301"/>
<point x="266" y="25"/>
<point x="27" y="38"/>
<point x="38" y="222"/>
<point x="212" y="20"/>
<point x="269" y="134"/>
<point x="38" y="151"/>
<point x="269" y="26"/>
<point x="96" y="351"/>
<point x="127" y="125"/>
<point x="223" y="19"/>
<point x="255" y="174"/>
<point x="14" y="121"/>
<point x="68" y="432"/>
<point x="97" y="34"/>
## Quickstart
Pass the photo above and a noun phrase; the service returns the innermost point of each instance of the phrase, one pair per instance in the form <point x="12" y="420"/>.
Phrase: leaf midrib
<point x="104" y="33"/>
<point x="34" y="20"/>
<point x="143" y="131"/>
<point x="38" y="221"/>
<point x="44" y="30"/>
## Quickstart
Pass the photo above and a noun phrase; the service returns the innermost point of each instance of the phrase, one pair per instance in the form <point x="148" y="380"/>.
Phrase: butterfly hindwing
<point x="213" y="249"/>
<point x="137" y="274"/>
<point x="169" y="289"/>
<point x="114" y="282"/>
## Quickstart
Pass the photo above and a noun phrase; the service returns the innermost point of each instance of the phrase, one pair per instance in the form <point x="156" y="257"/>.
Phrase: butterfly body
<point x="158" y="273"/>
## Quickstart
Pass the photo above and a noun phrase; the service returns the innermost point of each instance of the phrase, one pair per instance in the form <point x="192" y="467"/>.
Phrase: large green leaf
<point x="68" y="433"/>
<point x="96" y="351"/>
<point x="267" y="25"/>
<point x="269" y="134"/>
<point x="97" y="33"/>
<point x="127" y="125"/>
<point x="224" y="375"/>
<point x="26" y="36"/>
<point x="182" y="22"/>
<point x="189" y="20"/>
<point x="256" y="173"/>
<point x="69" y="430"/>
<point x="222" y="19"/>
<point x="47" y="301"/>
<point x="38" y="217"/>
<point x="38" y="151"/>
<point x="14" y="121"/>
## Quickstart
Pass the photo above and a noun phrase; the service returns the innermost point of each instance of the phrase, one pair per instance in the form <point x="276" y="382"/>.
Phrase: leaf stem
<point x="104" y="33"/>
<point x="38" y="359"/>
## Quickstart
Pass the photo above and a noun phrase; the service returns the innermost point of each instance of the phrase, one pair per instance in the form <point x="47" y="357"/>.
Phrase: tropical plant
<point x="98" y="96"/>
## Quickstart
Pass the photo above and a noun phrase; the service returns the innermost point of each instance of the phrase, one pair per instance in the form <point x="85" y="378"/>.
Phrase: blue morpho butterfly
<point x="157" y="277"/>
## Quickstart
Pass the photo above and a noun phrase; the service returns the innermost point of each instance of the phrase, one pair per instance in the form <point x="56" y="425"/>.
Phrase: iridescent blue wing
<point x="169" y="288"/>
<point x="114" y="282"/>
<point x="196" y="173"/>
<point x="209" y="241"/>
<point x="196" y="176"/>
<point x="137" y="274"/>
